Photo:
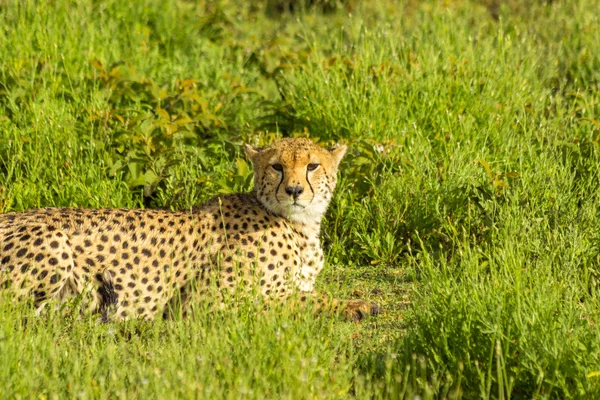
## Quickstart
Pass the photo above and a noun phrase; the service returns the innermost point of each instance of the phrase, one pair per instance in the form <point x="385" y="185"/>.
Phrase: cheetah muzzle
<point x="132" y="263"/>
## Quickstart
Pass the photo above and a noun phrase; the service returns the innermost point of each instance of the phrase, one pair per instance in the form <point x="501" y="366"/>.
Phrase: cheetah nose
<point x="295" y="191"/>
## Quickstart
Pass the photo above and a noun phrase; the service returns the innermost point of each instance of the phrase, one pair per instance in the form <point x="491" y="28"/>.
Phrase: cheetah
<point x="133" y="262"/>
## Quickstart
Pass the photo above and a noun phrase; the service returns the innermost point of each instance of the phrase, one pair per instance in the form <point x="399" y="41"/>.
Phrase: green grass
<point x="468" y="205"/>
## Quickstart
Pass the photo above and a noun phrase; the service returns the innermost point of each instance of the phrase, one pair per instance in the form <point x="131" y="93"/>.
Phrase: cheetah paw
<point x="357" y="310"/>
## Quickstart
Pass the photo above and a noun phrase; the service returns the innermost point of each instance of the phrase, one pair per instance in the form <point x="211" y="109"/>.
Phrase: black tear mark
<point x="309" y="185"/>
<point x="279" y="184"/>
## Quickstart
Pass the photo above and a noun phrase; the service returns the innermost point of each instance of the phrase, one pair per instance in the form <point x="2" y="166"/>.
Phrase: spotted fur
<point x="133" y="263"/>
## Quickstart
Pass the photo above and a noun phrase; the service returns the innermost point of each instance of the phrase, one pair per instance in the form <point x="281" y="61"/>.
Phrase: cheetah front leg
<point x="274" y="286"/>
<point x="353" y="310"/>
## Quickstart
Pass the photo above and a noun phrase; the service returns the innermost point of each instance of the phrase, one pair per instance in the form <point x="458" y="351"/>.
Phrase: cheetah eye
<point x="312" y="167"/>
<point x="277" y="167"/>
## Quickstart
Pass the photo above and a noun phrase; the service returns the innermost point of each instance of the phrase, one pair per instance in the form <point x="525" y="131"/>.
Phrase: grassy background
<point x="468" y="206"/>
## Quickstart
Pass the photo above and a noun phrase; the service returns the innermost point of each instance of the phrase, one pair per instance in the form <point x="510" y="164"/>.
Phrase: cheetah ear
<point x="337" y="153"/>
<point x="251" y="152"/>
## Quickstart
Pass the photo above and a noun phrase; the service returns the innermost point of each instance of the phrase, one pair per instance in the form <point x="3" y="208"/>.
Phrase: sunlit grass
<point x="467" y="206"/>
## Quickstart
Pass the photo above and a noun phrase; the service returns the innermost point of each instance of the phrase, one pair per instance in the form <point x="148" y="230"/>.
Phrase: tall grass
<point x="467" y="206"/>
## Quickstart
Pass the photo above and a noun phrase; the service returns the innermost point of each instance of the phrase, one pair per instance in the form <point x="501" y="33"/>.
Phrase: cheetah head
<point x="295" y="178"/>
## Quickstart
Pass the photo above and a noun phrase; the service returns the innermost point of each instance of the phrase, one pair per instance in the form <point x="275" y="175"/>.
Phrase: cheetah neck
<point x="308" y="219"/>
